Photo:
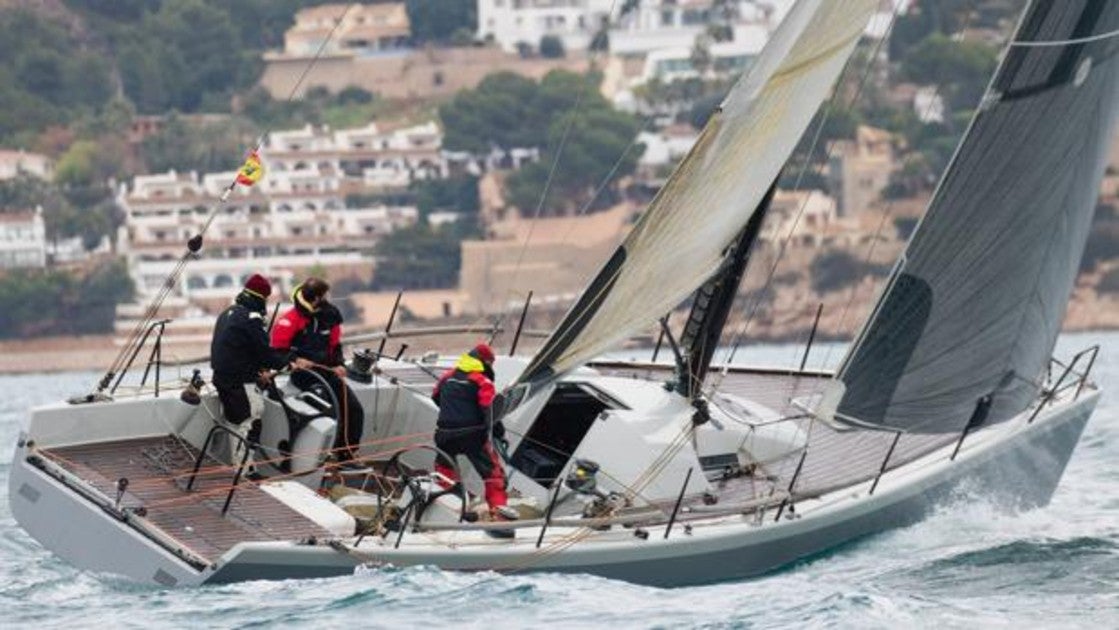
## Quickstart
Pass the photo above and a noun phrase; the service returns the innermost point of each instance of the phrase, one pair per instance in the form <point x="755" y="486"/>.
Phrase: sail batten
<point x="976" y="305"/>
<point x="681" y="239"/>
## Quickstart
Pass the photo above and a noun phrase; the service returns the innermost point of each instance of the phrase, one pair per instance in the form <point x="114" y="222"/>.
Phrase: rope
<point x="551" y="175"/>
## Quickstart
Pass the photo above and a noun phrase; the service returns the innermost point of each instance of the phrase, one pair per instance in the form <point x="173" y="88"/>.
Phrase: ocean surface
<point x="969" y="565"/>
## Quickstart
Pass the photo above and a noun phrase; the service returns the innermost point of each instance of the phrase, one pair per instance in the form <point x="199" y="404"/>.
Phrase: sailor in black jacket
<point x="239" y="354"/>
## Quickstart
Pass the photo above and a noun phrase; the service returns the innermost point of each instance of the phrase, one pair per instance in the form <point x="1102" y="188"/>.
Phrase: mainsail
<point x="683" y="236"/>
<point x="976" y="303"/>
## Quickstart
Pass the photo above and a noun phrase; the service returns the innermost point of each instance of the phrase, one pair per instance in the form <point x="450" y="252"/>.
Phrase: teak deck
<point x="158" y="469"/>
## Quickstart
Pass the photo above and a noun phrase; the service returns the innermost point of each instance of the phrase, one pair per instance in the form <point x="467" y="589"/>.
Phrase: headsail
<point x="975" y="305"/>
<point x="681" y="238"/>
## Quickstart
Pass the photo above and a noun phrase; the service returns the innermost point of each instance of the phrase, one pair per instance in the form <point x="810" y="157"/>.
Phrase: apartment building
<point x="358" y="29"/>
<point x="514" y="23"/>
<point x="23" y="240"/>
<point x="363" y="157"/>
<point x="297" y="218"/>
<point x="16" y="163"/>
<point x="650" y="25"/>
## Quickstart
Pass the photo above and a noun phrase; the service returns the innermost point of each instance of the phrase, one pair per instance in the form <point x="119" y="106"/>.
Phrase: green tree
<point x="499" y="113"/>
<point x="457" y="194"/>
<point x="46" y="77"/>
<point x="507" y="111"/>
<point x="89" y="163"/>
<point x="95" y="215"/>
<point x="551" y="47"/>
<point x="701" y="58"/>
<point x="419" y="257"/>
<point x="188" y="147"/>
<point x="597" y="141"/>
<point x="49" y="302"/>
<point x="438" y="20"/>
<point x="961" y="69"/>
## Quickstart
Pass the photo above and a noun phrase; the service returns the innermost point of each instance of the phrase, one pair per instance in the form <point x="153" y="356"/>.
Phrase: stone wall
<point x="420" y="74"/>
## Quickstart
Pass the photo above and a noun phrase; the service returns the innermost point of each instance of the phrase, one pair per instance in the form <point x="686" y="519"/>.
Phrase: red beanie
<point x="484" y="353"/>
<point x="259" y="284"/>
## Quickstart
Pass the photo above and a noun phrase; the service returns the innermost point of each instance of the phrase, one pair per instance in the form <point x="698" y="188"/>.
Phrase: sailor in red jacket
<point x="312" y="329"/>
<point x="465" y="394"/>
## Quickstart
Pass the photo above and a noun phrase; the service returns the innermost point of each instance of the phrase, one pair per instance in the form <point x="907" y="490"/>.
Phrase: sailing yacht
<point x="656" y="473"/>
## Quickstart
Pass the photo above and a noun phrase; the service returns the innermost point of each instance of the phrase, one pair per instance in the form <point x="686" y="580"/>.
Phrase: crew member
<point x="465" y="395"/>
<point x="240" y="357"/>
<point x="312" y="330"/>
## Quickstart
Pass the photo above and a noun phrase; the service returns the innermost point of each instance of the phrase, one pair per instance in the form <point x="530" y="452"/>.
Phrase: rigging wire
<point x="573" y="114"/>
<point x="194" y="245"/>
<point x="741" y="332"/>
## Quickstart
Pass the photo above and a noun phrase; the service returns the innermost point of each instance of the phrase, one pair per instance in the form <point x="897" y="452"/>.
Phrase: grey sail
<point x="976" y="302"/>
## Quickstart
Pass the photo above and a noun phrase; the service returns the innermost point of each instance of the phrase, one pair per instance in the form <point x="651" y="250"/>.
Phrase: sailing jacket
<point x="239" y="349"/>
<point x="316" y="336"/>
<point x="464" y="394"/>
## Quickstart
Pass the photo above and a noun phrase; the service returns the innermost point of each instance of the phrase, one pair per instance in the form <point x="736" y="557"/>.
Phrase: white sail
<point x="681" y="238"/>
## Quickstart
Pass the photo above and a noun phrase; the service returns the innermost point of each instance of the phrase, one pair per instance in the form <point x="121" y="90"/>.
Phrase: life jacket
<point x="309" y="335"/>
<point x="464" y="394"/>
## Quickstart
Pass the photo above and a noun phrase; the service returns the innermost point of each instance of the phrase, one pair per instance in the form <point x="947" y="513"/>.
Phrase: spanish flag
<point x="251" y="171"/>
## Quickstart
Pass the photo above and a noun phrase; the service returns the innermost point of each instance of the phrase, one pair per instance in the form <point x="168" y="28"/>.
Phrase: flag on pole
<point x="251" y="171"/>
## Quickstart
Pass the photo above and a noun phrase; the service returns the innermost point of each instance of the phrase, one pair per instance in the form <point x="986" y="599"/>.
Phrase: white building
<point x="663" y="149"/>
<point x="513" y="22"/>
<point x="23" y="240"/>
<point x="357" y="29"/>
<point x="652" y="25"/>
<point x="803" y="217"/>
<point x="365" y="156"/>
<point x="660" y="24"/>
<point x="727" y="58"/>
<point x="15" y="163"/>
<point x="294" y="219"/>
<point x="289" y="222"/>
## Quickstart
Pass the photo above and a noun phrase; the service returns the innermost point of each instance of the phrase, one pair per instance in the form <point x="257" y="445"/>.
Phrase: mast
<point x="712" y="305"/>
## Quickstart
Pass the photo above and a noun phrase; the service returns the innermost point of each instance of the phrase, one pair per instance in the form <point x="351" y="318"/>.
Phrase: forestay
<point x="974" y="307"/>
<point x="681" y="238"/>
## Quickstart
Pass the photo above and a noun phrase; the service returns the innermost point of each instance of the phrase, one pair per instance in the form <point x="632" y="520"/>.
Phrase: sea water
<point x="969" y="565"/>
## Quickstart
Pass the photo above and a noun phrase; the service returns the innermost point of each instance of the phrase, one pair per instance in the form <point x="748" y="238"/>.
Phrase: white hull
<point x="1016" y="461"/>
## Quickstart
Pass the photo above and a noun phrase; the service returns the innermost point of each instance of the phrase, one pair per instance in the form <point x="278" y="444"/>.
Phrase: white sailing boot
<point x="239" y="446"/>
<point x="248" y="432"/>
